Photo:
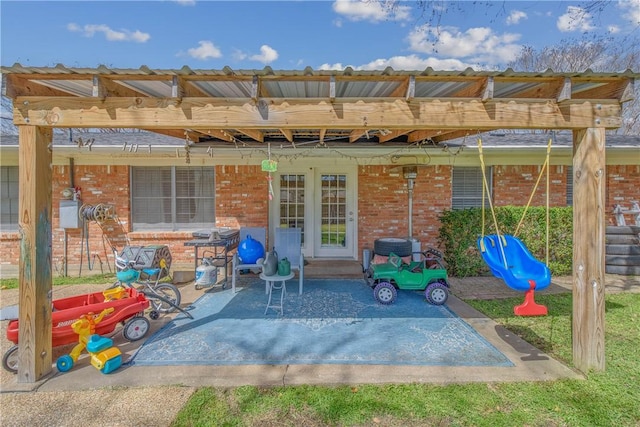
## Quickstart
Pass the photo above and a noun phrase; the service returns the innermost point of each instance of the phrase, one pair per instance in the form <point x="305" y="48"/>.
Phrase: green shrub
<point x="461" y="228"/>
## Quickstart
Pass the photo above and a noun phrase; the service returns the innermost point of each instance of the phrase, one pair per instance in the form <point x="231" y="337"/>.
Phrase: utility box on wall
<point x="69" y="214"/>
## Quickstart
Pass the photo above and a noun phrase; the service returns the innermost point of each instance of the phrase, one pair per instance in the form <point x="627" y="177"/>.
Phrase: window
<point x="292" y="201"/>
<point x="172" y="198"/>
<point x="9" y="198"/>
<point x="467" y="187"/>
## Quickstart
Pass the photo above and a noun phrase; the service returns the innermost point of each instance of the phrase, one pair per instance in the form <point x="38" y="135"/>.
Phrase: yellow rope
<point x="546" y="249"/>
<point x="535" y="188"/>
<point x="485" y="187"/>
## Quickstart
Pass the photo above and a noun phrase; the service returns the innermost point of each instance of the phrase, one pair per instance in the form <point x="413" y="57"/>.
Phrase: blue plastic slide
<point x="509" y="259"/>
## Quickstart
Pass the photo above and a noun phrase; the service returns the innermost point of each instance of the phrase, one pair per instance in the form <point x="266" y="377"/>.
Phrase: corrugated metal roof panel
<point x="226" y="71"/>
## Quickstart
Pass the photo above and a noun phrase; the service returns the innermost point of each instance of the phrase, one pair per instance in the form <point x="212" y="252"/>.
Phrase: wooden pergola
<point x="290" y="106"/>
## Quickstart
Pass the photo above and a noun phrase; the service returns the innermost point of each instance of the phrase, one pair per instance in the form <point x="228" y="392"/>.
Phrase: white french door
<point x="335" y="214"/>
<point x="322" y="202"/>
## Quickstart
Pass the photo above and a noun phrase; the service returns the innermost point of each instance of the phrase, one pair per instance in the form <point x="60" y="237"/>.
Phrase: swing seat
<point x="510" y="260"/>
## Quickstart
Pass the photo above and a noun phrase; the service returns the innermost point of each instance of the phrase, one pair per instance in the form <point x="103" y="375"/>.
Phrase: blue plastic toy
<point x="250" y="250"/>
<point x="510" y="260"/>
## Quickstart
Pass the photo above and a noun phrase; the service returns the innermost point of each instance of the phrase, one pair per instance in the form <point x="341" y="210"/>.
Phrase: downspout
<point x="410" y="192"/>
<point x="66" y="239"/>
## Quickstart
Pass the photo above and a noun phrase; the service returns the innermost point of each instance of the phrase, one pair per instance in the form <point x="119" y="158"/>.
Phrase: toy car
<point x="428" y="275"/>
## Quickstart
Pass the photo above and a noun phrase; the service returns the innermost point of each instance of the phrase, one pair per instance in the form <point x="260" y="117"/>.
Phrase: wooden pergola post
<point x="34" y="334"/>
<point x="589" y="222"/>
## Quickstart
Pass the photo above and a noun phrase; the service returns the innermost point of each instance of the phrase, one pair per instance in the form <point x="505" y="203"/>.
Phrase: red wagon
<point x="128" y="308"/>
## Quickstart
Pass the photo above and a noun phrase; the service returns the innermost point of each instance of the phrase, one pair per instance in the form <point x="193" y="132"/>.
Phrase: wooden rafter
<point x="253" y="134"/>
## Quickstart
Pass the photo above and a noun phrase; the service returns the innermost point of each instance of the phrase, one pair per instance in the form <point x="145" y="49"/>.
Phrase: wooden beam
<point x="393" y="134"/>
<point x="35" y="283"/>
<point x="189" y="88"/>
<point x="253" y="134"/>
<point x="323" y="132"/>
<point x="103" y="88"/>
<point x="18" y="86"/>
<point x="288" y="133"/>
<point x="613" y="89"/>
<point x="356" y="134"/>
<point x="194" y="113"/>
<point x="420" y="135"/>
<point x="589" y="221"/>
<point x="475" y="88"/>
<point x="220" y="134"/>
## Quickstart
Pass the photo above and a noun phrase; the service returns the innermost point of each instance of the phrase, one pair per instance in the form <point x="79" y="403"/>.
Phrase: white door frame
<point x="312" y="210"/>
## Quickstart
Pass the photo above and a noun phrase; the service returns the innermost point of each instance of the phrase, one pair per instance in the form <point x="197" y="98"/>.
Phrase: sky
<point x="291" y="35"/>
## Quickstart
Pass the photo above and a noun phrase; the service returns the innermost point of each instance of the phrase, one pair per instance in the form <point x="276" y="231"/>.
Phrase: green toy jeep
<point x="428" y="275"/>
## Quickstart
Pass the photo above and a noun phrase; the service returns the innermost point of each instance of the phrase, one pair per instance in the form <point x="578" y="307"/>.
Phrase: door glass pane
<point x="292" y="201"/>
<point x="333" y="200"/>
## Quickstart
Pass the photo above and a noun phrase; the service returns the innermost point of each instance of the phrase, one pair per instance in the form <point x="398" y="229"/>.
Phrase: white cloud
<point x="613" y="29"/>
<point x="185" y="2"/>
<point x="575" y="19"/>
<point x="267" y="55"/>
<point x="477" y="45"/>
<point x="111" y="35"/>
<point x="372" y="11"/>
<point x="410" y="62"/>
<point x="239" y="55"/>
<point x="205" y="50"/>
<point x="515" y="17"/>
<point x="631" y="10"/>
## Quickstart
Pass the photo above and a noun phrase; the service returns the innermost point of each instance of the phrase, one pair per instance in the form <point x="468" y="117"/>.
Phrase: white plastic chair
<point x="256" y="233"/>
<point x="288" y="244"/>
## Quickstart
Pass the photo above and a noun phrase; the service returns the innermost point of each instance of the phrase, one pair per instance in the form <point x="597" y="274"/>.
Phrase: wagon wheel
<point x="10" y="360"/>
<point x="135" y="328"/>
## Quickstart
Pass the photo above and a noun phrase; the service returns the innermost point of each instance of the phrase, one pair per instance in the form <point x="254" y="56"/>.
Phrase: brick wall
<point x="383" y="203"/>
<point x="242" y="200"/>
<point x="242" y="197"/>
<point x="513" y="185"/>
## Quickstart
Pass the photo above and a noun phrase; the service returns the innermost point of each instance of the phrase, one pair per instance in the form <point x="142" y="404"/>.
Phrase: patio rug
<point x="332" y="322"/>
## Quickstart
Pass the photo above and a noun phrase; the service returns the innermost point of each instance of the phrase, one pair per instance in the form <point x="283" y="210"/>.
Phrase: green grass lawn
<point x="58" y="281"/>
<point x="610" y="398"/>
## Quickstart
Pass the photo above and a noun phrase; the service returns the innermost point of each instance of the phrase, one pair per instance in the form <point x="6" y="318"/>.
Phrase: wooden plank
<point x="287" y="133"/>
<point x="194" y="113"/>
<point x="393" y="134"/>
<point x="589" y="221"/>
<point x="34" y="333"/>
<point x="253" y="134"/>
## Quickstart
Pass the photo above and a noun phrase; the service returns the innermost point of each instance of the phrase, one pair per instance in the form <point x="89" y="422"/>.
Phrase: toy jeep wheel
<point x="385" y="293"/>
<point x="437" y="293"/>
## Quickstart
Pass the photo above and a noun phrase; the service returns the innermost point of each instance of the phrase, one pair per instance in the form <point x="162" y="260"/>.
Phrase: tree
<point x="599" y="54"/>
